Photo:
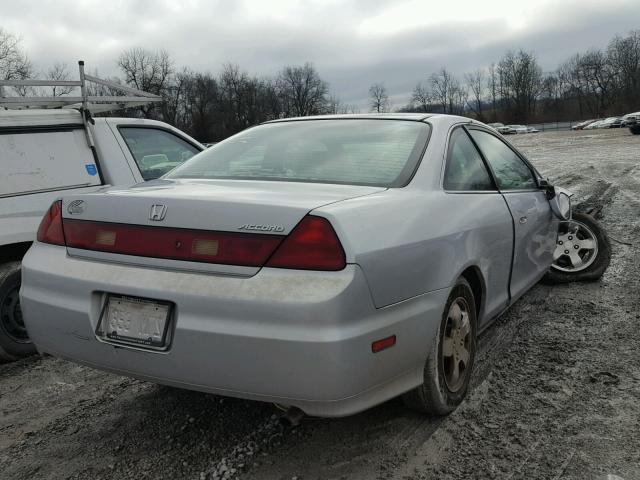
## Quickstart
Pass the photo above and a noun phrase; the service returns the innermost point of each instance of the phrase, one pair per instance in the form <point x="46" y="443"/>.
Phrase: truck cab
<point x="44" y="153"/>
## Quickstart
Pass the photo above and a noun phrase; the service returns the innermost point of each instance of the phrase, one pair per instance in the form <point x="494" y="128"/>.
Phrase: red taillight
<point x="50" y="229"/>
<point x="312" y="245"/>
<point x="172" y="243"/>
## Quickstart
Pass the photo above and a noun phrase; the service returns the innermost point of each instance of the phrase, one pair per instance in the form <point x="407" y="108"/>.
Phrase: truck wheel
<point x="582" y="253"/>
<point x="635" y="129"/>
<point x="14" y="340"/>
<point x="448" y="369"/>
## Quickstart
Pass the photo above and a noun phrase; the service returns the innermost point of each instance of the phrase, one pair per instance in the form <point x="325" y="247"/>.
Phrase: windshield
<point x="349" y="151"/>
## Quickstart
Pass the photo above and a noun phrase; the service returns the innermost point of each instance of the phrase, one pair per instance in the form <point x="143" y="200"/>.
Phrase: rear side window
<point x="465" y="169"/>
<point x="40" y="161"/>
<point x="510" y="171"/>
<point x="156" y="151"/>
<point x="343" y="151"/>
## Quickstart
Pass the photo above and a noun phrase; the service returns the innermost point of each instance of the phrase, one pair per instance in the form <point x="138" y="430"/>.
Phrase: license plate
<point x="135" y="321"/>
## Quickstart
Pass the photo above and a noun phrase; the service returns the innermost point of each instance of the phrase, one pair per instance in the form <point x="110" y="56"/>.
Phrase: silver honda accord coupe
<point x="327" y="263"/>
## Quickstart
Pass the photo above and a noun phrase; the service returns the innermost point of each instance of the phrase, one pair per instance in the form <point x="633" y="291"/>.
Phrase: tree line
<point x="594" y="83"/>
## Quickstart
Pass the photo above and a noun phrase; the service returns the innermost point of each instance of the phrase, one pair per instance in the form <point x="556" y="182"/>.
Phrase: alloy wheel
<point x="456" y="345"/>
<point x="576" y="247"/>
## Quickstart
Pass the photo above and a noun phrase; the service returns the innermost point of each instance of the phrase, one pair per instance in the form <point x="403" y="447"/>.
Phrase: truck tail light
<point x="311" y="245"/>
<point x="50" y="229"/>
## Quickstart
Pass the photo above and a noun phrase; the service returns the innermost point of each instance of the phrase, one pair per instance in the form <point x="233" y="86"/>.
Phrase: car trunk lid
<point x="205" y="213"/>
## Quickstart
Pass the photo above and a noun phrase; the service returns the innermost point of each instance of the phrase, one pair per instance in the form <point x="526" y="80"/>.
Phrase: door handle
<point x="523" y="220"/>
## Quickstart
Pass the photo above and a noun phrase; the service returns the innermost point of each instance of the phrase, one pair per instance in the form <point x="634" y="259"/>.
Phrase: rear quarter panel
<point x="419" y="238"/>
<point x="409" y="242"/>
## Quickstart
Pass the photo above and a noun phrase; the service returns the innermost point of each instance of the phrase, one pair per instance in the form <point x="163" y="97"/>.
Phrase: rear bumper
<point x="292" y="337"/>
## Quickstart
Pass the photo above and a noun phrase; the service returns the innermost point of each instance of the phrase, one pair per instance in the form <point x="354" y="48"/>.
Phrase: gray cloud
<point x="353" y="43"/>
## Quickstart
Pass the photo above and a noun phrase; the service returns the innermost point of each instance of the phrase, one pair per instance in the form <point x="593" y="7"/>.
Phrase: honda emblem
<point x="157" y="212"/>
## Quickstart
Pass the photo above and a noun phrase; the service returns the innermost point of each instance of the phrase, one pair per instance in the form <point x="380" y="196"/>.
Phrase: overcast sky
<point x="353" y="43"/>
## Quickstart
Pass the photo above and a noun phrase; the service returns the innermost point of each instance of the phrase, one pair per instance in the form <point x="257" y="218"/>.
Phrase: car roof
<point x="386" y="116"/>
<point x="432" y="117"/>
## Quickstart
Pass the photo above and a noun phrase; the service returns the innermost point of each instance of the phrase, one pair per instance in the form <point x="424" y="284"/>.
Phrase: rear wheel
<point x="635" y="129"/>
<point x="448" y="368"/>
<point x="582" y="252"/>
<point x="14" y="339"/>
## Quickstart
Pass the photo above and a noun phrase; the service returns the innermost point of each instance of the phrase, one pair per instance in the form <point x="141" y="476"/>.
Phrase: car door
<point x="489" y="244"/>
<point x="535" y="229"/>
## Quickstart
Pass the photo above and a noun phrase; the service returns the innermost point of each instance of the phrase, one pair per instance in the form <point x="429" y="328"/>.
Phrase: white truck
<point x="47" y="152"/>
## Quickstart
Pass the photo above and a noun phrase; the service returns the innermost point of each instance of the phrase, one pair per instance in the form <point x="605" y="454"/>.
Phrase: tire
<point x="635" y="129"/>
<point x="597" y="268"/>
<point x="14" y="341"/>
<point x="435" y="396"/>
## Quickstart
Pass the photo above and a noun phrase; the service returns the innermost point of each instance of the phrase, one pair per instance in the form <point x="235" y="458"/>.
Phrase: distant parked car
<point x="501" y="128"/>
<point x="582" y="125"/>
<point x="593" y="125"/>
<point x="632" y="121"/>
<point x="518" y="129"/>
<point x="532" y="130"/>
<point x="611" y="122"/>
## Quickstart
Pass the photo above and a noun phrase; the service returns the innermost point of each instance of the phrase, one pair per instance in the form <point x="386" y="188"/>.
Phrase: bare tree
<point x="147" y="70"/>
<point x="443" y="85"/>
<point x="475" y="82"/>
<point x="14" y="63"/>
<point x="623" y="54"/>
<point x="335" y="106"/>
<point x="422" y="97"/>
<point x="492" y="85"/>
<point x="59" y="71"/>
<point x="302" y="91"/>
<point x="378" y="98"/>
<point x="174" y="97"/>
<point x="459" y="99"/>
<point x="521" y="83"/>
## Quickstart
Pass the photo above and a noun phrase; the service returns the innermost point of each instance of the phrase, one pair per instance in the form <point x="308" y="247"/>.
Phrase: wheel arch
<point x="474" y="277"/>
<point x="14" y="251"/>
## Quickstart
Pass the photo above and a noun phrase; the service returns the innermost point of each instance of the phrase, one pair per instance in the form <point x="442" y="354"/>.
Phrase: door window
<point x="465" y="169"/>
<point x="510" y="171"/>
<point x="156" y="151"/>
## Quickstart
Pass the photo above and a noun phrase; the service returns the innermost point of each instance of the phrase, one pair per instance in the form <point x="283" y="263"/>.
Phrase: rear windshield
<point x="357" y="152"/>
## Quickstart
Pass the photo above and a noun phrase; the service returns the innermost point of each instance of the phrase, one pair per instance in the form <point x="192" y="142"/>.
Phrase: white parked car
<point x="632" y="122"/>
<point x="518" y="129"/>
<point x="45" y="154"/>
<point x="593" y="125"/>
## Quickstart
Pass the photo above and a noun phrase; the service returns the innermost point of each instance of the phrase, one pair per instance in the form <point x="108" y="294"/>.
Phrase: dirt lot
<point x="556" y="390"/>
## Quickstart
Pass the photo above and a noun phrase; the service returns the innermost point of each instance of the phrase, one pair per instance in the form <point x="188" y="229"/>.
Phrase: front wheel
<point x="14" y="339"/>
<point x="447" y="370"/>
<point x="582" y="252"/>
<point x="635" y="129"/>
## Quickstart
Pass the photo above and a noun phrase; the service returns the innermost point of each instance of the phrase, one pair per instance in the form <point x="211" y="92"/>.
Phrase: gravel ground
<point x="555" y="392"/>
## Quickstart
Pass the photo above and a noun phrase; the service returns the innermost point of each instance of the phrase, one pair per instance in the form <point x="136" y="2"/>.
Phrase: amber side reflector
<point x="383" y="344"/>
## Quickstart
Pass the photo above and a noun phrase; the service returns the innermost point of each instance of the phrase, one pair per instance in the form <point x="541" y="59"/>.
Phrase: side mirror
<point x="547" y="187"/>
<point x="561" y="203"/>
